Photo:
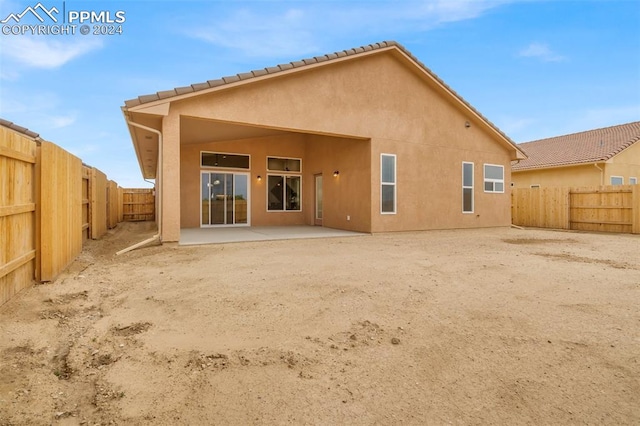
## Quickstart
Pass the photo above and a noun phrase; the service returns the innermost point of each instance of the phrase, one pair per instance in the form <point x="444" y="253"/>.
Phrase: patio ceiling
<point x="192" y="131"/>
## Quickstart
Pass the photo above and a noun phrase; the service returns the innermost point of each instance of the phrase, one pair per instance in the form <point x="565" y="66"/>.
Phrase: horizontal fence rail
<point x="50" y="205"/>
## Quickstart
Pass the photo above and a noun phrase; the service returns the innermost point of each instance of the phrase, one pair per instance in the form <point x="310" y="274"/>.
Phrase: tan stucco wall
<point x="319" y="154"/>
<point x="376" y="97"/>
<point x="587" y="175"/>
<point x="625" y="164"/>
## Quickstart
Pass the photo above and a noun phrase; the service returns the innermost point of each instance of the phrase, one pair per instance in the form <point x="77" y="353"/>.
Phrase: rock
<point x="395" y="341"/>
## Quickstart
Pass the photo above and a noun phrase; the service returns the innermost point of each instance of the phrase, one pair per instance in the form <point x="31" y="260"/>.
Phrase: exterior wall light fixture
<point x="336" y="173"/>
<point x="259" y="178"/>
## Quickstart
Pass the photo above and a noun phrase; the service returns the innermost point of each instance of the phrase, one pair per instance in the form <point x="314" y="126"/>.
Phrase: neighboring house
<point x="608" y="156"/>
<point x="366" y="139"/>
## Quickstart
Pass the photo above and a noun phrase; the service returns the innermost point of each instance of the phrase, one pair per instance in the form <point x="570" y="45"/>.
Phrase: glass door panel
<point x="225" y="198"/>
<point x="218" y="198"/>
<point x="241" y="198"/>
<point x="204" y="196"/>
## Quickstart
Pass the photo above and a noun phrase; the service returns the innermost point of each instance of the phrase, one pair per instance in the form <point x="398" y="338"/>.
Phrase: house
<point x="607" y="156"/>
<point x="366" y="139"/>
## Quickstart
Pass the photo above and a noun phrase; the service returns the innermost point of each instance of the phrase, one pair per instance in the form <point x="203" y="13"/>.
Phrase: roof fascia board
<point x="559" y="166"/>
<point x="282" y="73"/>
<point x="160" y="108"/>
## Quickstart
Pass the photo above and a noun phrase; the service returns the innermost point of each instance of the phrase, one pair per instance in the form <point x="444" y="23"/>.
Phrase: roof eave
<point x="136" y="146"/>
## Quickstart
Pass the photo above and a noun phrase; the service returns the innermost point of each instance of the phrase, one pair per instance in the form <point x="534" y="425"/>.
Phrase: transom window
<point x="467" y="187"/>
<point x="225" y="160"/>
<point x="387" y="183"/>
<point x="493" y="178"/>
<point x="279" y="164"/>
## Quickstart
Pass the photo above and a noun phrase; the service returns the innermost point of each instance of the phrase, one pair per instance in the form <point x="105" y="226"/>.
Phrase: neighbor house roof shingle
<point x="591" y="146"/>
<point x="196" y="87"/>
<point x="19" y="129"/>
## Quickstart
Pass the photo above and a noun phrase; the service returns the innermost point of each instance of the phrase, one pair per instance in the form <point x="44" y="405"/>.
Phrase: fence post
<point x="635" y="209"/>
<point x="567" y="200"/>
<point x="38" y="213"/>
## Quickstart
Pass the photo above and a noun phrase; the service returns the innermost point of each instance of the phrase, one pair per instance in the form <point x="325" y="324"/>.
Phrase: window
<point x="617" y="180"/>
<point x="283" y="193"/>
<point x="224" y="160"/>
<point x="633" y="181"/>
<point x="467" y="187"/>
<point x="284" y="190"/>
<point x="493" y="178"/>
<point x="284" y="164"/>
<point x="388" y="183"/>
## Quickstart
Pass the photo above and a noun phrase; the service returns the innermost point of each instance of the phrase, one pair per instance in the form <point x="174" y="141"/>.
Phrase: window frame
<point x="635" y="180"/>
<point x="393" y="184"/>
<point x="616" y="177"/>
<point x="284" y="158"/>
<point x="491" y="180"/>
<point x="284" y="177"/>
<point x="473" y="204"/>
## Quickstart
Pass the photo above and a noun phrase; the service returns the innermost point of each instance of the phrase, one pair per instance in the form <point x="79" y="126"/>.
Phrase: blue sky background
<point x="534" y="68"/>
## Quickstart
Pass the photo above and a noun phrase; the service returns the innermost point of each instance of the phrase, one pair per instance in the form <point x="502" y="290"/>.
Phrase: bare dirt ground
<point x="499" y="326"/>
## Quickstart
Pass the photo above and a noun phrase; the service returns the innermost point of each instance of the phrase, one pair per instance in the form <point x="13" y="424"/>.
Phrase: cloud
<point x="542" y="52"/>
<point x="60" y="121"/>
<point x="45" y="52"/>
<point x="255" y="34"/>
<point x="284" y="31"/>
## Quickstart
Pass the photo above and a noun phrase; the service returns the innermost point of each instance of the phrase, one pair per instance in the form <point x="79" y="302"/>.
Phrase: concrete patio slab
<point x="195" y="236"/>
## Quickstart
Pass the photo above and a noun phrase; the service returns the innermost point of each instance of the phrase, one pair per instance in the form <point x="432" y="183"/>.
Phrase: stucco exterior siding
<point x="429" y="187"/>
<point x="625" y="164"/>
<point x="339" y="116"/>
<point x="343" y="195"/>
<point x="582" y="175"/>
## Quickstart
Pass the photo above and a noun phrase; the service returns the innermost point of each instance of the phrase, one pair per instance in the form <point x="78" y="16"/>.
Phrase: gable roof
<point x="210" y="85"/>
<point x="591" y="146"/>
<point x="22" y="130"/>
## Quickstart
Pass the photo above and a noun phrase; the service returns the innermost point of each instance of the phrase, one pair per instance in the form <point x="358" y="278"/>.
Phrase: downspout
<point x="601" y="173"/>
<point x="159" y="190"/>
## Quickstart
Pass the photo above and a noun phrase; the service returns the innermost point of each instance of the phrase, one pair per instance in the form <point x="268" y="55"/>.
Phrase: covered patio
<point x="197" y="236"/>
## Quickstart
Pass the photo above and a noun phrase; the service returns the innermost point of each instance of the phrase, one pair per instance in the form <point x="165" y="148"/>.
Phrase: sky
<point x="534" y="68"/>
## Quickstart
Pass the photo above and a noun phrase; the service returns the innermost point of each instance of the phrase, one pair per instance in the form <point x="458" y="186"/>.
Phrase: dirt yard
<point x="499" y="326"/>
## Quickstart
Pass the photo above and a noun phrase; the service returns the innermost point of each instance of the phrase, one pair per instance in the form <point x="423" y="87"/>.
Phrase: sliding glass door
<point x="225" y="198"/>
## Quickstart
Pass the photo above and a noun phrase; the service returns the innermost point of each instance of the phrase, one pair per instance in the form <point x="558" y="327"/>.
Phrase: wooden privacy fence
<point x="17" y="212"/>
<point x="50" y="203"/>
<point x="602" y="208"/>
<point x="138" y="204"/>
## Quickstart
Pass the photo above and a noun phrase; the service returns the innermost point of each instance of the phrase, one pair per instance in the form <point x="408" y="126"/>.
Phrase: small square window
<point x="493" y="178"/>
